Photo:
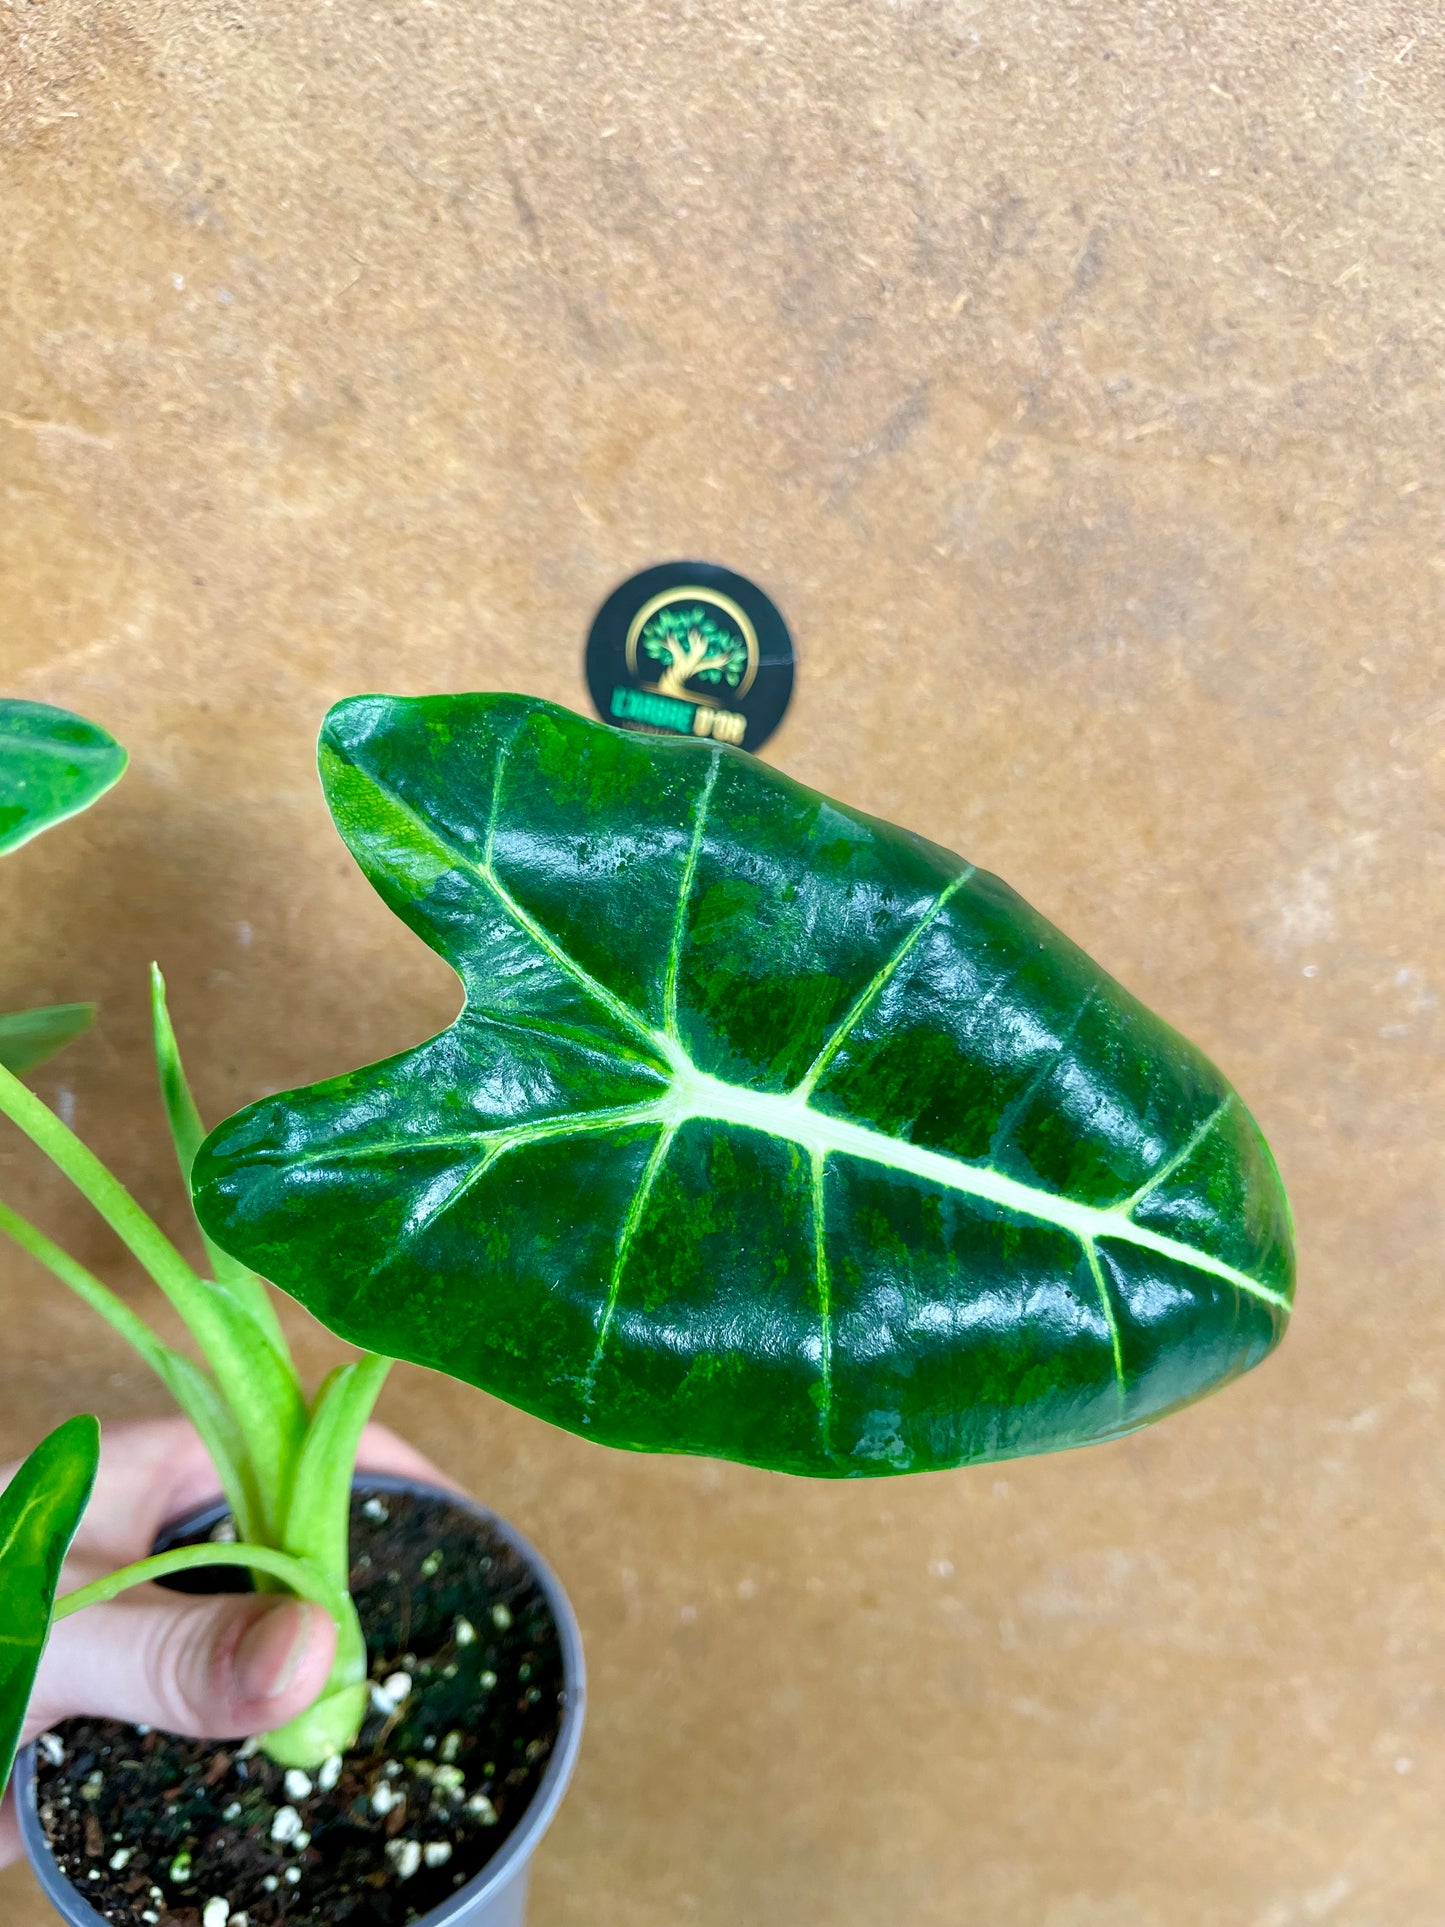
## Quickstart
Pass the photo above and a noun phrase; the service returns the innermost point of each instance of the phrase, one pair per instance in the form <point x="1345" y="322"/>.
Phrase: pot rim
<point x="512" y="1857"/>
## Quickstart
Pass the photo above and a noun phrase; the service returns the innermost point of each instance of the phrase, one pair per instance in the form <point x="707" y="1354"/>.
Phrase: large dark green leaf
<point x="39" y="1512"/>
<point x="767" y="1130"/>
<point x="52" y="764"/>
<point x="28" y="1037"/>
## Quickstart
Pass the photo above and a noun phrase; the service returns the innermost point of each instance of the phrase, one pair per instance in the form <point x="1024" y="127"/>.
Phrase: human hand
<point x="217" y="1667"/>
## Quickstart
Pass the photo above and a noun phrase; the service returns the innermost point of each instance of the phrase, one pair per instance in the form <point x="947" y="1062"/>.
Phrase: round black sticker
<point x="689" y="649"/>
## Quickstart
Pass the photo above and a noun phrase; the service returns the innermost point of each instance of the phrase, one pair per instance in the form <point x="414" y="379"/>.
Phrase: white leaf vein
<point x="695" y="1095"/>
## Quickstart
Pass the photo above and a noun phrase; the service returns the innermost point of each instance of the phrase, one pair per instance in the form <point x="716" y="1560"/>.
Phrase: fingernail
<point x="272" y="1650"/>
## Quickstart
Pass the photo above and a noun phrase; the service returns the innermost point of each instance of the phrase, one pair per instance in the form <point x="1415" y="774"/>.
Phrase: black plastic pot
<point x="497" y="1897"/>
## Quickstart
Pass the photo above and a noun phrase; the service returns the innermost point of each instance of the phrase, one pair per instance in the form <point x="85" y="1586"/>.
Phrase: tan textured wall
<point x="1071" y="375"/>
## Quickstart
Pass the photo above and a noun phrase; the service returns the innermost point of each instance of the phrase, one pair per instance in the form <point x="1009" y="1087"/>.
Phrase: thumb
<point x="213" y="1668"/>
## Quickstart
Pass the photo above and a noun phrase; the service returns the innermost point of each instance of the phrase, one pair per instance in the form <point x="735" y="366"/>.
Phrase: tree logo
<point x="699" y="641"/>
<point x="691" y="649"/>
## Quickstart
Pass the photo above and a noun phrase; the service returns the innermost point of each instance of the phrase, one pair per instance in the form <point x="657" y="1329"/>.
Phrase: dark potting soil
<point x="466" y="1673"/>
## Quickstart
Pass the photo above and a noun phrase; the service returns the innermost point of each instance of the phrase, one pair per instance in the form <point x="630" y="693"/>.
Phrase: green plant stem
<point x="318" y="1518"/>
<point x="142" y="1236"/>
<point x="259" y="1386"/>
<point x="192" y="1389"/>
<point x="332" y="1723"/>
<point x="83" y="1283"/>
<point x="187" y="1134"/>
<point x="318" y="1531"/>
<point x="286" y="1475"/>
<point x="297" y="1575"/>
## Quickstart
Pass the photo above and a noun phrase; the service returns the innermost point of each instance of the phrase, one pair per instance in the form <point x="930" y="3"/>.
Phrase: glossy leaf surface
<point x="28" y="1037"/>
<point x="39" y="1512"/>
<point x="52" y="764"/>
<point x="767" y="1131"/>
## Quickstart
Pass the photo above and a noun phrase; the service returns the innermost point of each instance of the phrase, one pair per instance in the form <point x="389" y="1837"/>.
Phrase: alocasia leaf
<point x="28" y="1037"/>
<point x="767" y="1131"/>
<point x="39" y="1512"/>
<point x="52" y="764"/>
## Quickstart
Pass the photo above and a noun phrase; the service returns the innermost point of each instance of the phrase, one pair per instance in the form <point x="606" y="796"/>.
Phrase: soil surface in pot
<point x="466" y="1675"/>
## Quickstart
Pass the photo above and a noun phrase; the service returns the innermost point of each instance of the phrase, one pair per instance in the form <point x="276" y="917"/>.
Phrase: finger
<point x="151" y="1471"/>
<point x="9" y="1831"/>
<point x="161" y="1472"/>
<point x="211" y="1668"/>
<point x="382" y="1451"/>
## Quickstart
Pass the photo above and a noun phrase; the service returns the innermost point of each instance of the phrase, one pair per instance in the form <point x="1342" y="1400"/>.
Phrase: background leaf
<point x="28" y="1037"/>
<point x="39" y="1512"/>
<point x="767" y="1131"/>
<point x="52" y="764"/>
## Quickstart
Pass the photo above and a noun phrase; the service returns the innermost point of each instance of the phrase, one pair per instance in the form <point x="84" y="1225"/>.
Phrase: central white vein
<point x="696" y="1095"/>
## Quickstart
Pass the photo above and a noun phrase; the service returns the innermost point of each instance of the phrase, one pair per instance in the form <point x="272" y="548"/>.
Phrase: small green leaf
<point x="39" y="1512"/>
<point x="187" y="1132"/>
<point x="52" y="764"/>
<point x="28" y="1037"/>
<point x="318" y="1518"/>
<point x="767" y="1130"/>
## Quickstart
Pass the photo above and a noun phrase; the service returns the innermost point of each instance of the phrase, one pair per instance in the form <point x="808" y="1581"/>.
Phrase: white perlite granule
<point x="390" y="1693"/>
<point x="286" y="1825"/>
<point x="405" y="1856"/>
